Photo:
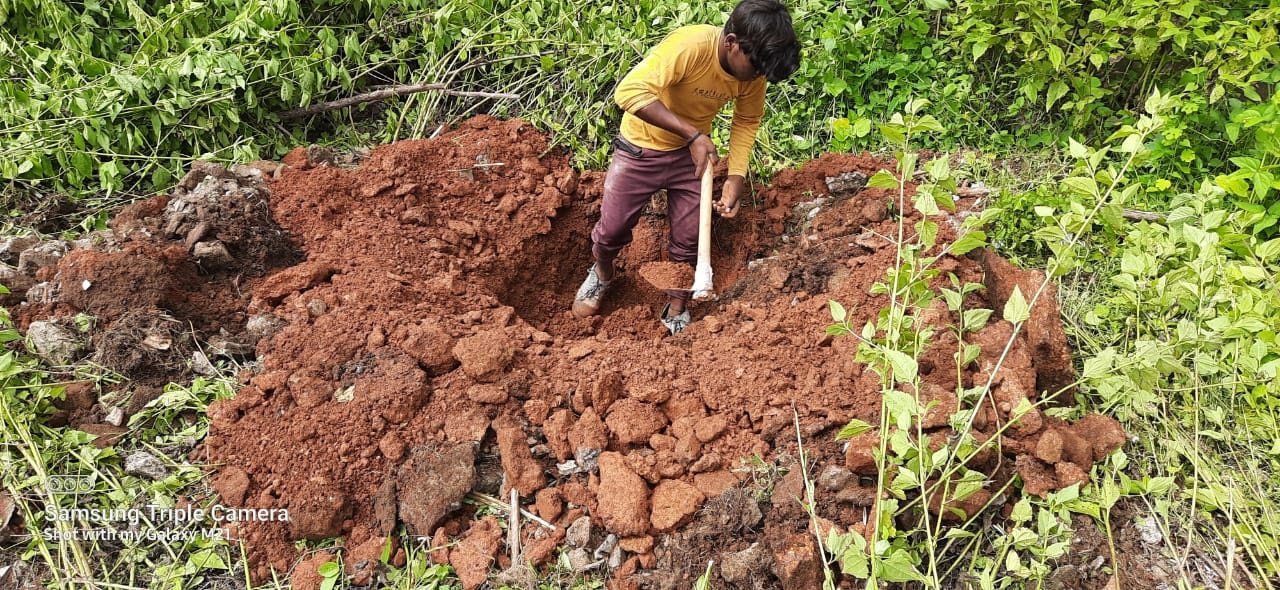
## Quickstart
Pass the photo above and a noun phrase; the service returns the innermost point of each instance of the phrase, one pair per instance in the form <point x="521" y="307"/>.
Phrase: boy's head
<point x="763" y="32"/>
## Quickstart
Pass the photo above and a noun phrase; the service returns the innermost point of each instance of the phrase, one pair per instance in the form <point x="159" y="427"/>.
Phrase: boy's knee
<point x="687" y="254"/>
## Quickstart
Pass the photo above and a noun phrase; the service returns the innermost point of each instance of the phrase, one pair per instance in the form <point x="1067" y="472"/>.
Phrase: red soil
<point x="426" y="348"/>
<point x="667" y="275"/>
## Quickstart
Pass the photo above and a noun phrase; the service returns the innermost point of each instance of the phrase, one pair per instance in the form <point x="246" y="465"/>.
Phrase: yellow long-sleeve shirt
<point x="684" y="73"/>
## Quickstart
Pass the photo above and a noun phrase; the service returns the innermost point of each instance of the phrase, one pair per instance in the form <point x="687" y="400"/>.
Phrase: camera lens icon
<point x="71" y="484"/>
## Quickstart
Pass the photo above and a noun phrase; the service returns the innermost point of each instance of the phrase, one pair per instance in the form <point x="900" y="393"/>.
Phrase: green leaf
<point x="208" y="559"/>
<point x="835" y="86"/>
<point x="851" y="552"/>
<point x="82" y="163"/>
<point x="1159" y="486"/>
<point x="1081" y="185"/>
<point x="861" y="127"/>
<point x="1077" y="149"/>
<point x="925" y="203"/>
<point x="901" y="408"/>
<point x="852" y="429"/>
<point x="883" y="179"/>
<point x="904" y="366"/>
<point x="979" y="49"/>
<point x="1055" y="57"/>
<point x="897" y="567"/>
<point x="937" y="4"/>
<point x="975" y="319"/>
<point x="969" y="241"/>
<point x="1021" y="511"/>
<point x="837" y="311"/>
<point x="928" y="233"/>
<point x="954" y="299"/>
<point x="1131" y="262"/>
<point x="893" y="133"/>
<point x="1057" y="90"/>
<point x="329" y="569"/>
<point x="929" y="123"/>
<point x="1016" y="309"/>
<point x="1132" y="144"/>
<point x="1269" y="251"/>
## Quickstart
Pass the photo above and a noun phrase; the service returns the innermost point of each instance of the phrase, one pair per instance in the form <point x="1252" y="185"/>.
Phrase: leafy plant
<point x="329" y="572"/>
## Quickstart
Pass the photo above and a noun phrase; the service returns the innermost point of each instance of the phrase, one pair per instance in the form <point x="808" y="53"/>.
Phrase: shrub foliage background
<point x="117" y="95"/>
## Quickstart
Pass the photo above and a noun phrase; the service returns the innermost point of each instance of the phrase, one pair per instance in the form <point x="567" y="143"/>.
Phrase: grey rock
<point x="588" y="459"/>
<point x="103" y="240"/>
<point x="263" y="325"/>
<point x="846" y="183"/>
<point x="41" y="255"/>
<point x="579" y="533"/>
<point x="519" y="576"/>
<point x="146" y="465"/>
<point x="212" y="254"/>
<point x="579" y="559"/>
<point x="201" y="366"/>
<point x="16" y="282"/>
<point x="1149" y="529"/>
<point x="11" y="247"/>
<point x="607" y="546"/>
<point x="223" y="346"/>
<point x="200" y="170"/>
<point x="45" y="292"/>
<point x="834" y="478"/>
<point x="53" y="343"/>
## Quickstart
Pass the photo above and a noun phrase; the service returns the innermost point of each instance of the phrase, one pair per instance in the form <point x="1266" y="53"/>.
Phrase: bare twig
<point x="972" y="191"/>
<point x="500" y="505"/>
<point x="513" y="527"/>
<point x="384" y="94"/>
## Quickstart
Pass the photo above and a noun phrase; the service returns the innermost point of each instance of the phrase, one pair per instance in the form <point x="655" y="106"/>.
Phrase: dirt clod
<point x="667" y="275"/>
<point x="432" y="482"/>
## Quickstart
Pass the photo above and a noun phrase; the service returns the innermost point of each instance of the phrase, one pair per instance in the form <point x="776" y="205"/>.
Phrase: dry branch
<point x="1134" y="215"/>
<point x="383" y="94"/>
<point x="513" y="527"/>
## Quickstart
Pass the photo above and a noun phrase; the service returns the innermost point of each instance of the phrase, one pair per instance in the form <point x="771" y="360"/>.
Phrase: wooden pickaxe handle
<point x="702" y="280"/>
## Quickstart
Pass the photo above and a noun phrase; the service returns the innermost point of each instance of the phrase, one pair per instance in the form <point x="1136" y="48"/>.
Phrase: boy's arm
<point x="747" y="112"/>
<point x="701" y="148"/>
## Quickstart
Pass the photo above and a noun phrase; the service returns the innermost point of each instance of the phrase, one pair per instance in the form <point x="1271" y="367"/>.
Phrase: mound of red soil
<point x="425" y="349"/>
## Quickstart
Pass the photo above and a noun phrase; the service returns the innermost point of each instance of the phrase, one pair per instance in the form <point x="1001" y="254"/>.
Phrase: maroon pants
<point x="634" y="175"/>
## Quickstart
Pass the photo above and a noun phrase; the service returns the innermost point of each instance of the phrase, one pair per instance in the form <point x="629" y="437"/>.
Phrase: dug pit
<point x="410" y="318"/>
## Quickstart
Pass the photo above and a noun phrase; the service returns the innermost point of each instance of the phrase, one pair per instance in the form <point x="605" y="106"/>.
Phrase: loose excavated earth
<point x="414" y="344"/>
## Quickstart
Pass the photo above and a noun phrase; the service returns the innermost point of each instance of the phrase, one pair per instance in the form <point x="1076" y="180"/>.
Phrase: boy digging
<point x="670" y="100"/>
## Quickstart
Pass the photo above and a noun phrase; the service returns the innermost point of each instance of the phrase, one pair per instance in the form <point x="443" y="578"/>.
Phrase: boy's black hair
<point x="764" y="32"/>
